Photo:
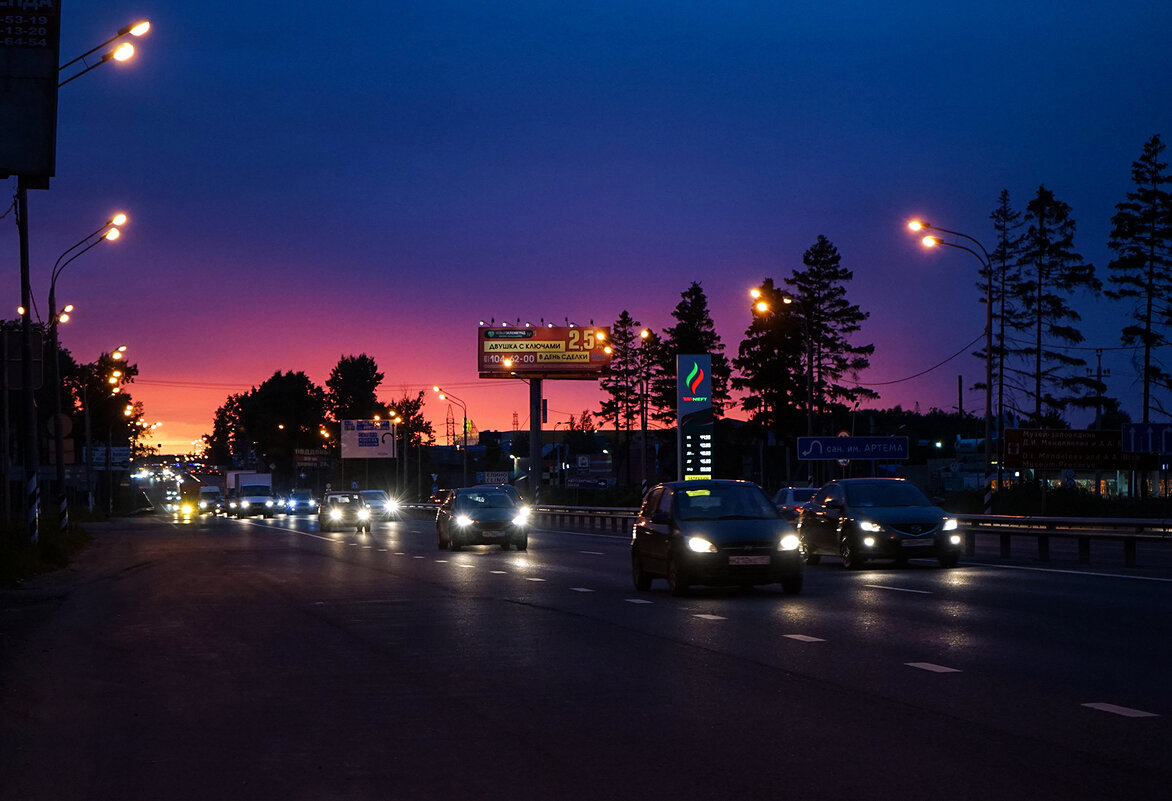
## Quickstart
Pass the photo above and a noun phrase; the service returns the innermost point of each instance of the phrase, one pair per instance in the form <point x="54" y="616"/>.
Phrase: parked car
<point x="382" y="506"/>
<point x="343" y="510"/>
<point x="482" y="516"/>
<point x="857" y="519"/>
<point x="789" y="499"/>
<point x="714" y="532"/>
<point x="300" y="502"/>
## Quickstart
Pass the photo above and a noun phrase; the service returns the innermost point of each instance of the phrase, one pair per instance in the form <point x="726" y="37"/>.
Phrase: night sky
<point x="312" y="180"/>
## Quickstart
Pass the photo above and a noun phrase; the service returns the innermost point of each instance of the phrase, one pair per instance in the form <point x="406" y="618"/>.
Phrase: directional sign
<point x="368" y="439"/>
<point x="1147" y="437"/>
<point x="864" y="448"/>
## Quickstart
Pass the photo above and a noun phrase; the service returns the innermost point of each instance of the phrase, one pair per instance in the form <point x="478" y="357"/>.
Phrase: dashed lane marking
<point x="803" y="638"/>
<point x="710" y="617"/>
<point x="581" y="589"/>
<point x="1126" y="712"/>
<point x="931" y="667"/>
<point x="533" y="578"/>
<point x="897" y="589"/>
<point x="636" y="601"/>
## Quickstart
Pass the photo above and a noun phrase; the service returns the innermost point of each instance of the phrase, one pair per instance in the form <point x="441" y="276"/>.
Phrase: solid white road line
<point x="1126" y="712"/>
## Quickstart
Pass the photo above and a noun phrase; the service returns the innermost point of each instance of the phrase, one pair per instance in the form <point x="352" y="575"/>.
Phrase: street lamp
<point x="930" y="240"/>
<point x="106" y="233"/>
<point x="122" y="52"/>
<point x="448" y="396"/>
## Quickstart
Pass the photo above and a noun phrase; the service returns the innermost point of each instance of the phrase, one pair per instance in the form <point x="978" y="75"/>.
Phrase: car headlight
<point x="463" y="521"/>
<point x="392" y="506"/>
<point x="949" y="524"/>
<point x="203" y="504"/>
<point x="867" y="525"/>
<point x="269" y="504"/>
<point x="521" y="518"/>
<point x="790" y="542"/>
<point x="244" y="504"/>
<point x="700" y="545"/>
<point x="364" y="513"/>
<point x="335" y="514"/>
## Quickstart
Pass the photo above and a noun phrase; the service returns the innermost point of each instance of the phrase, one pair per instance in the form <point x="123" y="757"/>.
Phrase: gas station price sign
<point x="548" y="352"/>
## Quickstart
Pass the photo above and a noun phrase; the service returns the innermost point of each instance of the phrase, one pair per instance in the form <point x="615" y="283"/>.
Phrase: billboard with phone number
<point x="542" y="352"/>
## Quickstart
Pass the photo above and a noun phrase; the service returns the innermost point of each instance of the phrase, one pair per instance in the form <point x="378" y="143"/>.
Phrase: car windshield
<point x="374" y="496"/>
<point x="300" y="495"/>
<point x="724" y="502"/>
<point x="894" y="493"/>
<point x="484" y="500"/>
<point x="803" y="495"/>
<point x="343" y="500"/>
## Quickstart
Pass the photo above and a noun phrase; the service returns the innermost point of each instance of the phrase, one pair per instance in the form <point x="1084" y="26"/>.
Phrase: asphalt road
<point x="259" y="659"/>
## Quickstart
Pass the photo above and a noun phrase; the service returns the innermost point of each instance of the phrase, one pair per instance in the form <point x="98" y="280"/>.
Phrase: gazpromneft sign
<point x="695" y="416"/>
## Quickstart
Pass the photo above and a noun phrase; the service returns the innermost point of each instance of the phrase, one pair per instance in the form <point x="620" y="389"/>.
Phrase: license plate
<point x="924" y="543"/>
<point x="748" y="560"/>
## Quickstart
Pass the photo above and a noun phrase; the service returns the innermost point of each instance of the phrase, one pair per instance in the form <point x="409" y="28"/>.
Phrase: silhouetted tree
<point x="693" y="333"/>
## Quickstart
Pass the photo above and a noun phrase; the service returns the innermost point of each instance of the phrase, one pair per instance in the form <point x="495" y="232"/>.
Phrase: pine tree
<point x="1051" y="272"/>
<point x="622" y="380"/>
<point x="694" y="332"/>
<point x="1006" y="275"/>
<point x="1141" y="238"/>
<point x="827" y="319"/>
<point x="769" y="363"/>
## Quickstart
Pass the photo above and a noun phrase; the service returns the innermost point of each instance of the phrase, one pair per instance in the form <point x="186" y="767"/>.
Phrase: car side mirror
<point x="660" y="518"/>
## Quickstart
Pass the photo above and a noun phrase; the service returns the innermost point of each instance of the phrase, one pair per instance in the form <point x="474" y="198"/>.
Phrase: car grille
<point x="493" y="525"/>
<point x="746" y="548"/>
<point x="915" y="529"/>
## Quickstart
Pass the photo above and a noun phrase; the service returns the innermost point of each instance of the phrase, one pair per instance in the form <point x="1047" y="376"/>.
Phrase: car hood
<point x="900" y="514"/>
<point x="490" y="515"/>
<point x="730" y="530"/>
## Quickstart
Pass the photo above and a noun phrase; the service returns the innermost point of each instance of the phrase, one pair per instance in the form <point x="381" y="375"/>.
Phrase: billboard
<point x="542" y="352"/>
<point x="1057" y="449"/>
<point x="28" y="90"/>
<point x="368" y="439"/>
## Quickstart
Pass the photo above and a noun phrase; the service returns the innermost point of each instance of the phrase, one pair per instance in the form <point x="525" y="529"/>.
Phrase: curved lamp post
<point x="106" y="233"/>
<point x="448" y="396"/>
<point x="930" y="240"/>
<point x="122" y="52"/>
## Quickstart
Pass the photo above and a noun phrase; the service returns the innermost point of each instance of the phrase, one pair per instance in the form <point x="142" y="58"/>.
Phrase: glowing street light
<point x="929" y="241"/>
<point x="108" y="232"/>
<point x="448" y="396"/>
<point x="123" y="52"/>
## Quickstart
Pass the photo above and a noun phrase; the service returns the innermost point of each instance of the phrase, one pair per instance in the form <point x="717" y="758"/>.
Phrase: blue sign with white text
<point x="814" y="448"/>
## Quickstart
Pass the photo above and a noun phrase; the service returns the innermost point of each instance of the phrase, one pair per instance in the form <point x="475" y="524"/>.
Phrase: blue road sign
<point x="1147" y="437"/>
<point x="814" y="448"/>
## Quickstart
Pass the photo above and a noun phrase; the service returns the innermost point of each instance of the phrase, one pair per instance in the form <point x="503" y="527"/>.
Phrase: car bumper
<point x="885" y="546"/>
<point x="481" y="535"/>
<point x="732" y="568"/>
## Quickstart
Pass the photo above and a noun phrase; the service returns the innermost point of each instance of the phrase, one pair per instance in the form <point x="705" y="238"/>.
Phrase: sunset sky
<point x="307" y="180"/>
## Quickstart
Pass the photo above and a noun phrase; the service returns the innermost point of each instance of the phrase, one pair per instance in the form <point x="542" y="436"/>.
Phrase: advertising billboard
<point x="368" y="439"/>
<point x="28" y="90"/>
<point x="571" y="352"/>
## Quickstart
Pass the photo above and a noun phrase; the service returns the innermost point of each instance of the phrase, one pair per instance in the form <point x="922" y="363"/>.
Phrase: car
<point x="382" y="506"/>
<point x="789" y="499"/>
<point x="482" y="516"/>
<point x="713" y="532"/>
<point x="857" y="519"/>
<point x="211" y="500"/>
<point x="343" y="510"/>
<point x="300" y="501"/>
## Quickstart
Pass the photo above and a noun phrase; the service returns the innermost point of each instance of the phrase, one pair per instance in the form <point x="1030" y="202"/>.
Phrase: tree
<point x="769" y="362"/>
<point x="352" y="389"/>
<point x="827" y="320"/>
<point x="1051" y="272"/>
<point x="1141" y="237"/>
<point x="226" y="445"/>
<point x="283" y="414"/>
<point x="693" y="333"/>
<point x="1004" y="263"/>
<point x="621" y="380"/>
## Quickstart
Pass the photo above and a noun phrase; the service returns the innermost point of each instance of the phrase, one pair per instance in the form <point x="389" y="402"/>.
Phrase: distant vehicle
<point x="252" y="494"/>
<point x="482" y="516"/>
<point x="857" y="519"/>
<point x="343" y="510"/>
<point x="382" y="506"/>
<point x="299" y="502"/>
<point x="211" y="500"/>
<point x="714" y="532"/>
<point x="789" y="499"/>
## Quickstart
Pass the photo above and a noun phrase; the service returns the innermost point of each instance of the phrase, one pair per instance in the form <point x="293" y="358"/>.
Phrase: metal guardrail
<point x="1129" y="533"/>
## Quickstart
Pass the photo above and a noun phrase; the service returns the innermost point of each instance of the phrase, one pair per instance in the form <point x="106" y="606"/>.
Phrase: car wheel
<point x="675" y="577"/>
<point x="521" y="543"/>
<point x="949" y="559"/>
<point x="639" y="576"/>
<point x="851" y="559"/>
<point x="792" y="583"/>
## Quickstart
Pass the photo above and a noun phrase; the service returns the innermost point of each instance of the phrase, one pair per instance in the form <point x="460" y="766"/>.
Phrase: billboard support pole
<point x="535" y="437"/>
<point x="28" y="400"/>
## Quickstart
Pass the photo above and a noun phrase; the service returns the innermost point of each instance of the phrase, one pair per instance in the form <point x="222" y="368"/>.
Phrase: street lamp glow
<point x="124" y="52"/>
<point x="761" y="306"/>
<point x="915" y="225"/>
<point x="118" y="219"/>
<point x="140" y="28"/>
<point x="929" y="241"/>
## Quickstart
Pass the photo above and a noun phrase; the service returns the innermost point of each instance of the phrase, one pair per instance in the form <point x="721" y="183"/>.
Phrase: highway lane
<point x="356" y="665"/>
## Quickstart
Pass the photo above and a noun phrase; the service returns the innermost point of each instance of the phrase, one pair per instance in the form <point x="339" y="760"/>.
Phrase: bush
<point x="21" y="560"/>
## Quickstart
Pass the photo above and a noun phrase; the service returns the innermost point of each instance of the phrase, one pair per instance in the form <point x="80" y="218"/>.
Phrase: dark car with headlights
<point x="857" y="519"/>
<point x="482" y="516"/>
<point x="300" y="502"/>
<point x="713" y="532"/>
<point x="343" y="510"/>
